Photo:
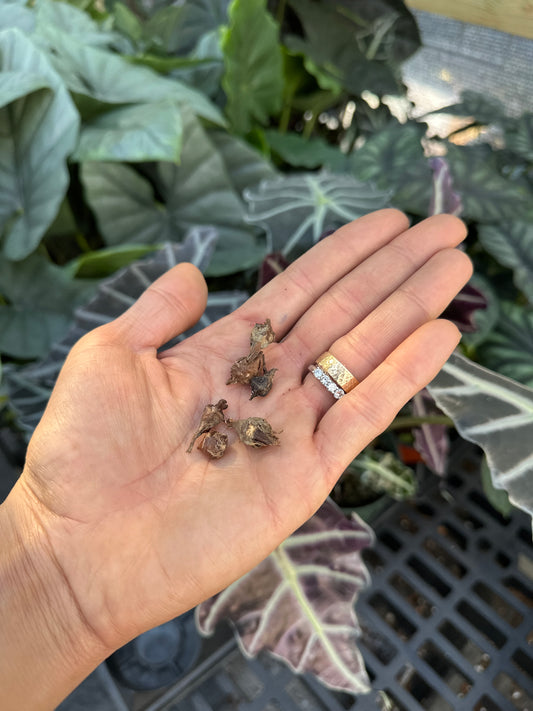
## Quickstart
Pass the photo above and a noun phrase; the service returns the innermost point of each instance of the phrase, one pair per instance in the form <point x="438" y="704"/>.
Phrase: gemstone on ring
<point x="326" y="381"/>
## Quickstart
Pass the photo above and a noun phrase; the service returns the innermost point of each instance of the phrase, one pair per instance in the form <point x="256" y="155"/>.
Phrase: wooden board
<point x="513" y="16"/>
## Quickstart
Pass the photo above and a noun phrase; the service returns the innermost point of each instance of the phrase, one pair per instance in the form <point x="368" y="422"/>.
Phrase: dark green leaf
<point x="511" y="243"/>
<point x="197" y="192"/>
<point x="487" y="195"/>
<point x="253" y="79"/>
<point x="481" y="107"/>
<point x="297" y="209"/>
<point x="394" y="159"/>
<point x="41" y="299"/>
<point x="142" y="132"/>
<point x="508" y="349"/>
<point x="245" y="167"/>
<point x="519" y="136"/>
<point x="305" y="153"/>
<point x="37" y="133"/>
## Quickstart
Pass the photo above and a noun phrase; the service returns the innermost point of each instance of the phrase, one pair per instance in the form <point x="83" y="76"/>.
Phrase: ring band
<point x="333" y="375"/>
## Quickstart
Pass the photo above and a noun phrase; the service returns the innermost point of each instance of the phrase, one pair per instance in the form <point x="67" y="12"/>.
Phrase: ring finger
<point x="419" y="299"/>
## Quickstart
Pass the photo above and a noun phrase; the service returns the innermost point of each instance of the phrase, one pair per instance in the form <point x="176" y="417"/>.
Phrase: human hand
<point x="140" y="531"/>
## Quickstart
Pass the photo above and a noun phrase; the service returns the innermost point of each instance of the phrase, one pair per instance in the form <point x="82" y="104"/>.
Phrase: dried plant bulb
<point x="247" y="367"/>
<point x="254" y="432"/>
<point x="261" y="384"/>
<point x="213" y="444"/>
<point x="211" y="417"/>
<point x="262" y="334"/>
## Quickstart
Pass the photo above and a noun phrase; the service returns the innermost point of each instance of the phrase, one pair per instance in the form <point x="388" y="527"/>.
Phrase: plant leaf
<point x="41" y="299"/>
<point x="497" y="498"/>
<point x="496" y="413"/>
<point x="253" y="78"/>
<point x="431" y="441"/>
<point x="487" y="195"/>
<point x="508" y="349"/>
<point x="360" y="48"/>
<point x="384" y="473"/>
<point x="302" y="152"/>
<point x="104" y="262"/>
<point x="298" y="603"/>
<point x="37" y="133"/>
<point x="53" y="16"/>
<point x="198" y="191"/>
<point x="142" y="132"/>
<point x="30" y="386"/>
<point x="245" y="167"/>
<point x="111" y="79"/>
<point x="15" y="14"/>
<point x="519" y="136"/>
<point x="443" y="197"/>
<point x="511" y="243"/>
<point x="297" y="209"/>
<point x="394" y="159"/>
<point x="481" y="107"/>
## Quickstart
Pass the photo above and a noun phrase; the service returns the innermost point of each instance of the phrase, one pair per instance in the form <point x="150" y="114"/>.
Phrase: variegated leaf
<point x="496" y="413"/>
<point x="296" y="209"/>
<point x="299" y="602"/>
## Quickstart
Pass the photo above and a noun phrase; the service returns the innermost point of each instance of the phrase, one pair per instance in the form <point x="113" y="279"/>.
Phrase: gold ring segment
<point x="340" y="375"/>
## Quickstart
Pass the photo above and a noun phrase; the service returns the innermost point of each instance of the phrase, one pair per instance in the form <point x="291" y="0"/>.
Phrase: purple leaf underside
<point x="431" y="441"/>
<point x="444" y="198"/>
<point x="299" y="603"/>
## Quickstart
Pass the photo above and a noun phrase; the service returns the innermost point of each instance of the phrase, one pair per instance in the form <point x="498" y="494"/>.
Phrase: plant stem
<point x="404" y="421"/>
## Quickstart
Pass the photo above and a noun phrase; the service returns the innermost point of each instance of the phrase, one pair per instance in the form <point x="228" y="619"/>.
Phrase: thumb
<point x="169" y="306"/>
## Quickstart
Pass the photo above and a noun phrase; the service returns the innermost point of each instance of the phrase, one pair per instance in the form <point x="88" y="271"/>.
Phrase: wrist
<point x="46" y="647"/>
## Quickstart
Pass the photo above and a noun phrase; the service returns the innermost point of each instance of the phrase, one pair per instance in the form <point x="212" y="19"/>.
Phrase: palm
<point x="160" y="529"/>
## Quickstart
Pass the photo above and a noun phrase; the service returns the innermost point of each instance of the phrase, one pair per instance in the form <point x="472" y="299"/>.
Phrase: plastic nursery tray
<point x="447" y="622"/>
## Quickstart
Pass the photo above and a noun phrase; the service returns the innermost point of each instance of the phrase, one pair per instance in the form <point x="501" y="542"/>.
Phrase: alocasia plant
<point x="299" y="602"/>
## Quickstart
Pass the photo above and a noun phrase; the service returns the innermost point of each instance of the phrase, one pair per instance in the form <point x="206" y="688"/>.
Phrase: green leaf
<point x="385" y="473"/>
<point x="496" y="413"/>
<point x="15" y="14"/>
<point x="253" y="79"/>
<point x="305" y="152"/>
<point x="519" y="136"/>
<point x="41" y="299"/>
<point x="481" y="107"/>
<point x="111" y="79"/>
<point x="104" y="262"/>
<point x="511" y="243"/>
<point x="508" y="349"/>
<point x="394" y="160"/>
<point x="37" y="133"/>
<point x="53" y="16"/>
<point x="245" y="167"/>
<point x="197" y="192"/>
<point x="297" y="209"/>
<point x="360" y="51"/>
<point x="497" y="498"/>
<point x="484" y="319"/>
<point x="142" y="132"/>
<point x="487" y="195"/>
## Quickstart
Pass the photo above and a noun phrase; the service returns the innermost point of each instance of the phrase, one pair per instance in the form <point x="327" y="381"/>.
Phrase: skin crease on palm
<point x="130" y="528"/>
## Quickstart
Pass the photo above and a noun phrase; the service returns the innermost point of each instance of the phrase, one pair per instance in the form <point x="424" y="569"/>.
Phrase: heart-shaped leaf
<point x="30" y="386"/>
<point x="508" y="349"/>
<point x="142" y="132"/>
<point x="111" y="79"/>
<point x="197" y="191"/>
<point x="297" y="209"/>
<point x="253" y="78"/>
<point x="496" y="413"/>
<point x="394" y="159"/>
<point x="519" y="136"/>
<point x="511" y="243"/>
<point x="487" y="195"/>
<point x="37" y="133"/>
<point x="299" y="602"/>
